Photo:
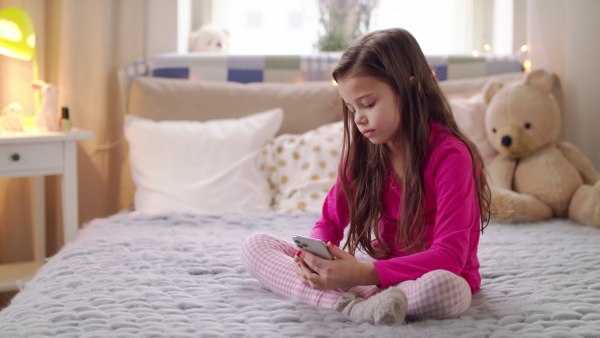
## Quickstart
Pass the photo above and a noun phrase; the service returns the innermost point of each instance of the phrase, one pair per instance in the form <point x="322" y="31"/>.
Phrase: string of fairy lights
<point x="522" y="55"/>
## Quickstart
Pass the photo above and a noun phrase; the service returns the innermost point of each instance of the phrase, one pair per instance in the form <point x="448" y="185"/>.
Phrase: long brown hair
<point x="395" y="57"/>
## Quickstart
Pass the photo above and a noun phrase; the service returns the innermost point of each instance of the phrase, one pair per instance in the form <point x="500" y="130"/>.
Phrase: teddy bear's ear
<point x="541" y="79"/>
<point x="490" y="89"/>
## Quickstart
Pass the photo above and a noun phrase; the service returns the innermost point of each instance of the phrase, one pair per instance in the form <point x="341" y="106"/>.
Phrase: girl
<point x="410" y="187"/>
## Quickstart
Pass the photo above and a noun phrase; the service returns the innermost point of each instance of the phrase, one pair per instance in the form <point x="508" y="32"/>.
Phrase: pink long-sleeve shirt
<point x="452" y="217"/>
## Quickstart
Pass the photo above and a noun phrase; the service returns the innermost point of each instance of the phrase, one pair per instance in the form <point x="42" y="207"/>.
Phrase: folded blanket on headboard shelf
<point x="292" y="68"/>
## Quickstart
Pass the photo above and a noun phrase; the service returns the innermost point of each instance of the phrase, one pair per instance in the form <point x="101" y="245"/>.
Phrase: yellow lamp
<point x="17" y="35"/>
<point x="17" y="39"/>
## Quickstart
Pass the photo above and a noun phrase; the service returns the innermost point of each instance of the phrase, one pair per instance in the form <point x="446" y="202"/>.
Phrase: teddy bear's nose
<point x="506" y="141"/>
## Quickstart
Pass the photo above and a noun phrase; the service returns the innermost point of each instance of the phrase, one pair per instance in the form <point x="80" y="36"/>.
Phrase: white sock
<point x="387" y="307"/>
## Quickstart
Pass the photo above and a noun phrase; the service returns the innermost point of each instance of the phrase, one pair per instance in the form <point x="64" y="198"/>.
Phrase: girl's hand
<point x="299" y="264"/>
<point x="343" y="272"/>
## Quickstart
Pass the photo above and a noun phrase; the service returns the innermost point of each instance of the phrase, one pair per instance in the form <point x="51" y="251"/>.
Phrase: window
<point x="268" y="26"/>
<point x="440" y="26"/>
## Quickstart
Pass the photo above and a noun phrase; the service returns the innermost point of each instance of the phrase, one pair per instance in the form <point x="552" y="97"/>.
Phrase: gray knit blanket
<point x="180" y="275"/>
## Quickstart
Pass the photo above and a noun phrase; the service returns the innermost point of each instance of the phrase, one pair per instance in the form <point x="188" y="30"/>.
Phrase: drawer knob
<point x="15" y="157"/>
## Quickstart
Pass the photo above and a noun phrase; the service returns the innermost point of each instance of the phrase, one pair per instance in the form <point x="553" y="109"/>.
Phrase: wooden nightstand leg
<point x="69" y="192"/>
<point x="39" y="219"/>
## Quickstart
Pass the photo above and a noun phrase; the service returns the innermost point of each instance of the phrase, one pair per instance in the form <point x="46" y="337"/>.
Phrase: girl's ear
<point x="412" y="80"/>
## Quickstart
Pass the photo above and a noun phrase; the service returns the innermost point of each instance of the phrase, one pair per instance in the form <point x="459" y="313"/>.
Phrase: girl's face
<point x="374" y="105"/>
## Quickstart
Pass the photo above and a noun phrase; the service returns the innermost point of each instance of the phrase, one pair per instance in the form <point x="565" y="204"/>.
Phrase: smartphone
<point x="313" y="245"/>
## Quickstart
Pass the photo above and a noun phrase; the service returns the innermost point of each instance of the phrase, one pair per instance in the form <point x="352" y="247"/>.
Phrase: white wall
<point x="564" y="37"/>
<point x="201" y="13"/>
<point x="161" y="26"/>
<point x="169" y="23"/>
<point x="582" y="76"/>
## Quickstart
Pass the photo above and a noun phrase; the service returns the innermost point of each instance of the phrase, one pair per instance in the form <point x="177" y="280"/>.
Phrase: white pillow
<point x="203" y="167"/>
<point x="469" y="113"/>
<point x="303" y="167"/>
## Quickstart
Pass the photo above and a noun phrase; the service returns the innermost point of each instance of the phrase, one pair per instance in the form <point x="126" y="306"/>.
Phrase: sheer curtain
<point x="81" y="45"/>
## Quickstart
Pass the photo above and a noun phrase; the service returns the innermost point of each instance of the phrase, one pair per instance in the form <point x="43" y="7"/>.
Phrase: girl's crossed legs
<point x="438" y="294"/>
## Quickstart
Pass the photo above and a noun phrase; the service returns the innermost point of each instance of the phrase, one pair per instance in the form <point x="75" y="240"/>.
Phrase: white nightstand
<point x="38" y="154"/>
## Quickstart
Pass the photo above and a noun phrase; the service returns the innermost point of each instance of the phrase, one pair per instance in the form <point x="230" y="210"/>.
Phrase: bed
<point x="261" y="161"/>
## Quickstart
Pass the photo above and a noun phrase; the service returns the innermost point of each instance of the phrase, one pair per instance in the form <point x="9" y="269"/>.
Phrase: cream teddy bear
<point x="535" y="176"/>
<point x="209" y="38"/>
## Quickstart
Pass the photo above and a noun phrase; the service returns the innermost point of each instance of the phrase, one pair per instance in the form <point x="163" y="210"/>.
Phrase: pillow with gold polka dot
<point x="302" y="168"/>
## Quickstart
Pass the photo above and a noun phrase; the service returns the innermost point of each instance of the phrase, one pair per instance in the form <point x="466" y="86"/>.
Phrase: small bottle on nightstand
<point x="65" y="122"/>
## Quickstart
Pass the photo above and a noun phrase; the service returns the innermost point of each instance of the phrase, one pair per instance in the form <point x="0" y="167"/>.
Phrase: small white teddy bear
<point x="209" y="38"/>
<point x="10" y="119"/>
<point x="46" y="118"/>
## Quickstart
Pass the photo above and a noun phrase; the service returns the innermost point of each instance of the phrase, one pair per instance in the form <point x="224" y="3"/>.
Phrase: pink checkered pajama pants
<point x="436" y="295"/>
